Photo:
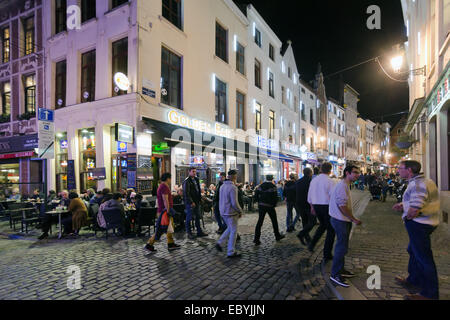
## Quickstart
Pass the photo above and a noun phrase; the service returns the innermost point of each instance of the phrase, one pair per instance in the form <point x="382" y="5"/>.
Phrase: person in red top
<point x="165" y="204"/>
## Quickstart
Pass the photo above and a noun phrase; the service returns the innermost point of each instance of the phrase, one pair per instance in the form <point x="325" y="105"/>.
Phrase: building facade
<point x="351" y="98"/>
<point x="336" y="136"/>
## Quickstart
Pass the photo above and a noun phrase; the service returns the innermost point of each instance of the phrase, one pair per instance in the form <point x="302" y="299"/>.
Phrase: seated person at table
<point x="78" y="218"/>
<point x="100" y="220"/>
<point x="15" y="195"/>
<point x="65" y="201"/>
<point x="114" y="204"/>
<point x="36" y="195"/>
<point x="140" y="201"/>
<point x="89" y="194"/>
<point x="97" y="198"/>
<point x="178" y="198"/>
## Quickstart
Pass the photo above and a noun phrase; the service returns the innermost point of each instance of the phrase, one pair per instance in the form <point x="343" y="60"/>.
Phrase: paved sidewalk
<point x="382" y="240"/>
<point x="120" y="269"/>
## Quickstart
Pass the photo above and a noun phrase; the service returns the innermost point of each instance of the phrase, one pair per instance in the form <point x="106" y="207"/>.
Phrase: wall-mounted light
<point x="213" y="82"/>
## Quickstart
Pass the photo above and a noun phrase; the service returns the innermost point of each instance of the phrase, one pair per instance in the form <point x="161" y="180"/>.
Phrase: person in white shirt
<point x="319" y="198"/>
<point x="341" y="219"/>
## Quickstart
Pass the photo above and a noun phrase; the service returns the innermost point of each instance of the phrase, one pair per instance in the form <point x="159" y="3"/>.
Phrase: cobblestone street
<point x="382" y="240"/>
<point x="120" y="269"/>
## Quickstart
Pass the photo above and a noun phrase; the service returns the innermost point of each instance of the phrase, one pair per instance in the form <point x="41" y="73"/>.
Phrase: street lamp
<point x="397" y="63"/>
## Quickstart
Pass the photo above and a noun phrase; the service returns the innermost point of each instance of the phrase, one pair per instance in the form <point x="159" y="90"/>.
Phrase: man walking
<point x="267" y="197"/>
<point x="220" y="222"/>
<point x="302" y="205"/>
<point x="289" y="194"/>
<point x="319" y="195"/>
<point x="192" y="198"/>
<point x="420" y="209"/>
<point x="165" y="204"/>
<point x="341" y="219"/>
<point x="231" y="211"/>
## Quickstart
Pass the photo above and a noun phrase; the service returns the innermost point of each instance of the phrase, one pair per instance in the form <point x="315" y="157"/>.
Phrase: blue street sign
<point x="45" y="115"/>
<point x="122" y="146"/>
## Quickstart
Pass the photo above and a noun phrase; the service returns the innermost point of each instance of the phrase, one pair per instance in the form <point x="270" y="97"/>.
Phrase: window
<point x="60" y="16"/>
<point x="303" y="137"/>
<point x="311" y="116"/>
<point x="221" y="42"/>
<point x="311" y="143"/>
<point x="28" y="27"/>
<point x="240" y="113"/>
<point x="88" y="76"/>
<point x="258" y="37"/>
<point x="30" y="94"/>
<point x="240" y="58"/>
<point x="5" y="45"/>
<point x="257" y="73"/>
<point x="257" y="118"/>
<point x="271" y="52"/>
<point x="170" y="78"/>
<point x="289" y="72"/>
<point x="291" y="140"/>
<point x="271" y="85"/>
<point x="116" y="3"/>
<point x="311" y="97"/>
<point x="303" y="90"/>
<point x="171" y="10"/>
<point x="6" y="98"/>
<point x="295" y="104"/>
<point x="271" y="124"/>
<point x="283" y="95"/>
<point x="60" y="84"/>
<point x="87" y="10"/>
<point x="119" y="62"/>
<point x="303" y="111"/>
<point x="221" y="101"/>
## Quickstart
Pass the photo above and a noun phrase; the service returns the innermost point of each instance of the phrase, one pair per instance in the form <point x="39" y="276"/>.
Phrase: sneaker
<point x="340" y="281"/>
<point x="281" y="236"/>
<point x="43" y="236"/>
<point x="201" y="235"/>
<point x="218" y="247"/>
<point x="173" y="246"/>
<point x="347" y="274"/>
<point x="150" y="248"/>
<point x="234" y="255"/>
<point x="191" y="236"/>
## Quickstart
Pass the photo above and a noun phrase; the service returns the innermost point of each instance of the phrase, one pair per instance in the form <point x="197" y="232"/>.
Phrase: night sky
<point x="335" y="34"/>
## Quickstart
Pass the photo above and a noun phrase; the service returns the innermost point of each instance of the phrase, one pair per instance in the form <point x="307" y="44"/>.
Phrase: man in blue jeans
<point x="219" y="219"/>
<point x="341" y="219"/>
<point x="289" y="193"/>
<point x="192" y="198"/>
<point x="420" y="209"/>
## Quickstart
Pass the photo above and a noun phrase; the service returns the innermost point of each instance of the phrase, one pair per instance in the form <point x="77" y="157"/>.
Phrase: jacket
<point x="267" y="195"/>
<point x="79" y="213"/>
<point x="229" y="204"/>
<point x="302" y="188"/>
<point x="217" y="194"/>
<point x="190" y="194"/>
<point x="108" y="205"/>
<point x="289" y="191"/>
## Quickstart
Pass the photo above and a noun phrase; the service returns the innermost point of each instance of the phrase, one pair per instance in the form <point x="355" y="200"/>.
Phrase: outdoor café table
<point x="59" y="213"/>
<point x="13" y="219"/>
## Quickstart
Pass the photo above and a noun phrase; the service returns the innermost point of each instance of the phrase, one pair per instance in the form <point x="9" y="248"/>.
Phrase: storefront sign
<point x="441" y="94"/>
<point x="121" y="81"/>
<point x="98" y="173"/>
<point x="63" y="144"/>
<point x="290" y="148"/>
<point x="19" y="143"/>
<point x="16" y="155"/>
<point x="46" y="134"/>
<point x="148" y="92"/>
<point x="124" y="133"/>
<point x="311" y="156"/>
<point x="71" y="182"/>
<point x="122" y="146"/>
<point x="179" y="119"/>
<point x="264" y="143"/>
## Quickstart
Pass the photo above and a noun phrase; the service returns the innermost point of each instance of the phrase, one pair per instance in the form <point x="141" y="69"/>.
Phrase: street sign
<point x="46" y="134"/>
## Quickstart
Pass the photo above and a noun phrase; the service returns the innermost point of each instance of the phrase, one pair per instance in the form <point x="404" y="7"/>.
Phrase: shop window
<point x="240" y="58"/>
<point x="5" y="45"/>
<point x="88" y="76"/>
<point x="30" y="94"/>
<point x="221" y="42"/>
<point x="61" y="161"/>
<point x="119" y="63"/>
<point x="60" y="84"/>
<point x="60" y="16"/>
<point x="87" y="158"/>
<point x="221" y="101"/>
<point x="171" y="10"/>
<point x="88" y="10"/>
<point x="170" y="78"/>
<point x="9" y="173"/>
<point x="28" y="29"/>
<point x="6" y="99"/>
<point x="240" y="110"/>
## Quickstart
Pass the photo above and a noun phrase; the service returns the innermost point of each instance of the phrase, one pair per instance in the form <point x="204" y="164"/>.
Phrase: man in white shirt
<point x="319" y="198"/>
<point x="341" y="213"/>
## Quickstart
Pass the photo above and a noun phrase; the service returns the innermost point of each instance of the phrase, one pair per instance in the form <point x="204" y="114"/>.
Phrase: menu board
<point x="71" y="181"/>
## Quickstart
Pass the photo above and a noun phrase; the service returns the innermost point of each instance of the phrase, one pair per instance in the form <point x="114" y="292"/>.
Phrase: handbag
<point x="165" y="219"/>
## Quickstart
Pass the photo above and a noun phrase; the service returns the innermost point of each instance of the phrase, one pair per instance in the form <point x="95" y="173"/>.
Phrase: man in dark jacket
<point x="302" y="205"/>
<point x="192" y="198"/>
<point x="267" y="197"/>
<point x="289" y="194"/>
<point x="220" y="222"/>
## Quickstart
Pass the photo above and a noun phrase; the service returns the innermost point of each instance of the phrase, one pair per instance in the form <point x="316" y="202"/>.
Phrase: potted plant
<point x="5" y="118"/>
<point x="26" y="116"/>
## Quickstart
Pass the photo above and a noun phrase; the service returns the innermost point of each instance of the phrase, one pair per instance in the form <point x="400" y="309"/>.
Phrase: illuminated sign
<point x="64" y="144"/>
<point x="179" y="119"/>
<point x="122" y="146"/>
<point x="121" y="81"/>
<point x="124" y="133"/>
